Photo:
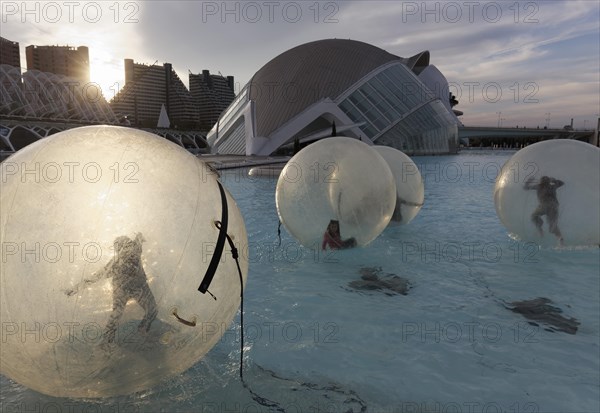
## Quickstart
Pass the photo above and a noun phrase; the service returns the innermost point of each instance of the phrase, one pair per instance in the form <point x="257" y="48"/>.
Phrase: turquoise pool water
<point x="315" y="344"/>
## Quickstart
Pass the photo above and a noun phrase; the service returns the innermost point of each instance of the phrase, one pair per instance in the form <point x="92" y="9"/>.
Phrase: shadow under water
<point x="294" y="395"/>
<point x="373" y="279"/>
<point x="541" y="310"/>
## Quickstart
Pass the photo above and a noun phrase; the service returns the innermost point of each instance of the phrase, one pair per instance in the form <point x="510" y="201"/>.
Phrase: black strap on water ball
<point x="263" y="401"/>
<point x="210" y="273"/>
<point x="214" y="262"/>
<point x="279" y="234"/>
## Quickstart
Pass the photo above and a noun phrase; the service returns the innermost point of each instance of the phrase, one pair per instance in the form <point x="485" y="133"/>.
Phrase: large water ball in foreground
<point x="410" y="192"/>
<point x="336" y="179"/>
<point x="549" y="193"/>
<point x="107" y="233"/>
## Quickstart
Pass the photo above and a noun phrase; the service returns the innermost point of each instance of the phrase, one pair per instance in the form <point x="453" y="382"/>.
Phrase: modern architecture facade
<point x="73" y="62"/>
<point x="146" y="89"/>
<point x="10" y="53"/>
<point x="36" y="95"/>
<point x="212" y="95"/>
<point x="55" y="87"/>
<point x="369" y="93"/>
<point x="36" y="104"/>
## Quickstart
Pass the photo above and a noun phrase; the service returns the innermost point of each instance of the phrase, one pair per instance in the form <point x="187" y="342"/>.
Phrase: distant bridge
<point x="484" y="135"/>
<point x="16" y="134"/>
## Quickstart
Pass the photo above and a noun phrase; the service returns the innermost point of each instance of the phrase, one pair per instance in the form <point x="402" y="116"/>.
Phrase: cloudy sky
<point x="521" y="63"/>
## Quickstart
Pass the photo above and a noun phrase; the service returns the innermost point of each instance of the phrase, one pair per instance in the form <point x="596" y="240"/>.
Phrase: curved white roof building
<point x="369" y="93"/>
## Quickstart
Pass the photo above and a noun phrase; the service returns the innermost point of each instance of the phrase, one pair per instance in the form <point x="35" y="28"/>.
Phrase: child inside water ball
<point x="333" y="239"/>
<point x="129" y="283"/>
<point x="548" y="204"/>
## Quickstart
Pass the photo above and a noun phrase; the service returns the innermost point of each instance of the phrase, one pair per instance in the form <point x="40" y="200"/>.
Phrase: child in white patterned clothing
<point x="129" y="282"/>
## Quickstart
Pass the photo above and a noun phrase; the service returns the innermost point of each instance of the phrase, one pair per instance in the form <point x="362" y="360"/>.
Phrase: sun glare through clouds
<point x="105" y="72"/>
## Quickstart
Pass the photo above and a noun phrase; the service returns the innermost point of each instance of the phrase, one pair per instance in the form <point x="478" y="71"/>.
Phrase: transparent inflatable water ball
<point x="549" y="193"/>
<point x="107" y="233"/>
<point x="410" y="191"/>
<point x="336" y="182"/>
